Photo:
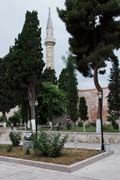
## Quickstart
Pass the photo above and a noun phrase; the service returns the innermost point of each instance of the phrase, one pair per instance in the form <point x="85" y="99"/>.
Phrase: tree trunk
<point x="100" y="105"/>
<point x="4" y="116"/>
<point x="28" y="116"/>
<point x="99" y="89"/>
<point x="31" y="99"/>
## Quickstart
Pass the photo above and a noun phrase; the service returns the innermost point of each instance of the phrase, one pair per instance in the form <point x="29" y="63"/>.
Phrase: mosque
<point x="89" y="94"/>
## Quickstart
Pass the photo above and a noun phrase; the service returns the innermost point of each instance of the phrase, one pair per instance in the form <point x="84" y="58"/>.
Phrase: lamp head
<point x="36" y="103"/>
<point x="99" y="94"/>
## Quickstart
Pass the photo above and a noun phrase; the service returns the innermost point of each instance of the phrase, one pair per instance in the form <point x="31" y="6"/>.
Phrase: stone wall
<point x="79" y="137"/>
<point x="112" y="138"/>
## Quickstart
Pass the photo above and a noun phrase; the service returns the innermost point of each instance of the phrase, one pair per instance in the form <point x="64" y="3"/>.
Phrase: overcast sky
<point x="12" y="16"/>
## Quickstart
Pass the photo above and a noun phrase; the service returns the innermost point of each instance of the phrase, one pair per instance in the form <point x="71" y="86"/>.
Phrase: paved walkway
<point x="105" y="169"/>
<point x="20" y="172"/>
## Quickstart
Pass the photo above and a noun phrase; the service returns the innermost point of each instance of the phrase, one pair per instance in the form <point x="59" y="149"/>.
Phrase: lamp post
<point x="36" y="104"/>
<point x="100" y="97"/>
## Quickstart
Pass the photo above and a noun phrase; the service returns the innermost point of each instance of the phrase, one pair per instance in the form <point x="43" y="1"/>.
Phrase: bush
<point x="1" y="119"/>
<point x="50" y="145"/>
<point x="93" y="123"/>
<point x="80" y="123"/>
<point x="15" y="120"/>
<point x="9" y="148"/>
<point x="115" y="125"/>
<point x="15" y="138"/>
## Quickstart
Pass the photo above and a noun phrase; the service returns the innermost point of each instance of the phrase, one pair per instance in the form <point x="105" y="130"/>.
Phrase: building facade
<point x="92" y="102"/>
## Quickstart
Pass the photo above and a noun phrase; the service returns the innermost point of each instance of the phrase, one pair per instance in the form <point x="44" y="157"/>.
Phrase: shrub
<point x="27" y="151"/>
<point x="9" y="148"/>
<point x="93" y="123"/>
<point x="80" y="123"/>
<point x="15" y="138"/>
<point x="50" y="145"/>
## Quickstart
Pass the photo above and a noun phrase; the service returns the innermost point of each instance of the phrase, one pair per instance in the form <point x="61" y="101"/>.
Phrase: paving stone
<point x="10" y="171"/>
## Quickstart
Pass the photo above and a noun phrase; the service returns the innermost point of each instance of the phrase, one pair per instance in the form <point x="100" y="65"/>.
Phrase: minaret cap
<point x="49" y="22"/>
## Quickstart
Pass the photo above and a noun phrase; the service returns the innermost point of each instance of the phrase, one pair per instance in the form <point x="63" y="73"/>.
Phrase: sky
<point x="12" y="17"/>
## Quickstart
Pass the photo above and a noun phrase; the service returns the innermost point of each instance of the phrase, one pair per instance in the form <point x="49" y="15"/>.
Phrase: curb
<point x="84" y="163"/>
<point x="57" y="167"/>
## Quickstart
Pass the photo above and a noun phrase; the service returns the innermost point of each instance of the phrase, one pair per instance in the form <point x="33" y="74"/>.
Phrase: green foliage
<point x="69" y="125"/>
<point x="24" y="110"/>
<point x="7" y="97"/>
<point x="114" y="93"/>
<point x="1" y="119"/>
<point x="63" y="80"/>
<point x="96" y="32"/>
<point x="68" y="83"/>
<point x="80" y="123"/>
<point x="93" y="123"/>
<point x="15" y="120"/>
<point x="51" y="103"/>
<point x="15" y="138"/>
<point x="9" y="148"/>
<point x="112" y="118"/>
<point x="27" y="151"/>
<point x="109" y="128"/>
<point x="50" y="144"/>
<point x="49" y="76"/>
<point x="27" y="52"/>
<point x="83" y="109"/>
<point x="94" y="26"/>
<point x="24" y="61"/>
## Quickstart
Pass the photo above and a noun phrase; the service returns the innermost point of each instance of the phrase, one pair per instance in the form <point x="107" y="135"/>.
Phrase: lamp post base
<point x="103" y="147"/>
<point x="98" y="126"/>
<point x="33" y="125"/>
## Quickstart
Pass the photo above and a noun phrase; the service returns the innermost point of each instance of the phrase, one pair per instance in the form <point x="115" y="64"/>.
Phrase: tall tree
<point x="68" y="83"/>
<point x="114" y="92"/>
<point x="51" y="103"/>
<point x="94" y="27"/>
<point x="49" y="76"/>
<point x="25" y="62"/>
<point x="7" y="96"/>
<point x="63" y="80"/>
<point x="83" y="109"/>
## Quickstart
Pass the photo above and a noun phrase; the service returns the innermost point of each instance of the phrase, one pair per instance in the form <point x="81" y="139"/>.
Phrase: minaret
<point x="49" y="43"/>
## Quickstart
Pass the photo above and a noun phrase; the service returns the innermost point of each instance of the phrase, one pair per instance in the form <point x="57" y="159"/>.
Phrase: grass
<point x="81" y="129"/>
<point x="68" y="157"/>
<point x="106" y="128"/>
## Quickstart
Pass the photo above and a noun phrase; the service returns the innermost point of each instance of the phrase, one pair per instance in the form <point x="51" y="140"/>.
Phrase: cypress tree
<point x="83" y="109"/>
<point x="63" y="80"/>
<point x="25" y="62"/>
<point x="49" y="76"/>
<point x="68" y="83"/>
<point x="114" y="92"/>
<point x="7" y="95"/>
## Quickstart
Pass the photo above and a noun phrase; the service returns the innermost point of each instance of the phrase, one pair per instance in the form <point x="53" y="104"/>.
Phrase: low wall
<point x="112" y="138"/>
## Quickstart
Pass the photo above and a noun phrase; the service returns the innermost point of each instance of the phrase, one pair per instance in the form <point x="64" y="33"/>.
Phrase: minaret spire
<point x="49" y="22"/>
<point x="49" y="43"/>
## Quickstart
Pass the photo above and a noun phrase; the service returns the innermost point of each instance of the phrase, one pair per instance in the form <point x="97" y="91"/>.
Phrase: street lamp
<point x="36" y="104"/>
<point x="100" y="97"/>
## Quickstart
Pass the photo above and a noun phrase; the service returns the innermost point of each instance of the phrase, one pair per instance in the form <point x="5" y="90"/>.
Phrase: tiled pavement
<point x="105" y="169"/>
<point x="10" y="171"/>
